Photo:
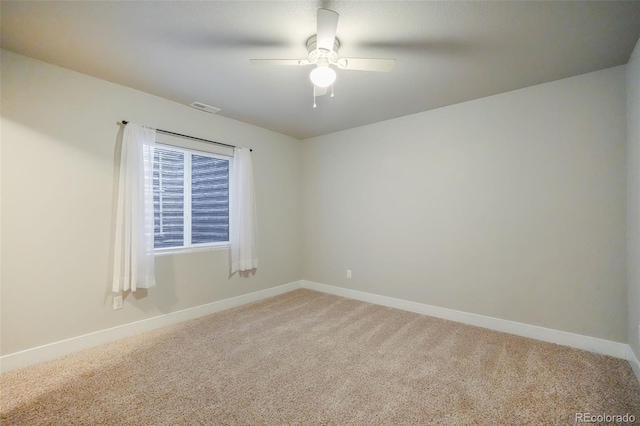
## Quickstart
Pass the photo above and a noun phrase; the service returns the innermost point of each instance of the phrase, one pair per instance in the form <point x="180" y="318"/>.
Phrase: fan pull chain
<point x="332" y="91"/>
<point x="314" y="95"/>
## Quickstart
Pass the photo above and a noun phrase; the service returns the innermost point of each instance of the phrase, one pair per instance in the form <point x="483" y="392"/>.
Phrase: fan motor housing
<point x="315" y="53"/>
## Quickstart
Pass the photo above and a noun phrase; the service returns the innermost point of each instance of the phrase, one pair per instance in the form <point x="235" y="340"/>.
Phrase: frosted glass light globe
<point x="323" y="76"/>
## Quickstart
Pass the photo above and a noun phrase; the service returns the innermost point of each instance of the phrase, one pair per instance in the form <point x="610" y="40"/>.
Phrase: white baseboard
<point x="56" y="349"/>
<point x="592" y="344"/>
<point x="633" y="361"/>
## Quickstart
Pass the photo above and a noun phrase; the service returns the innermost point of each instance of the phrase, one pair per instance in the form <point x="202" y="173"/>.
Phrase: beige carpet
<point x="307" y="358"/>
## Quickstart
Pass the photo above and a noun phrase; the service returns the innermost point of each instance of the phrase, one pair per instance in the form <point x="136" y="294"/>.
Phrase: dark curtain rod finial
<point x="166" y="132"/>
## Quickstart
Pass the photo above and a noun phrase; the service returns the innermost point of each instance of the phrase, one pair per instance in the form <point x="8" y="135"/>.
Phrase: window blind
<point x="191" y="198"/>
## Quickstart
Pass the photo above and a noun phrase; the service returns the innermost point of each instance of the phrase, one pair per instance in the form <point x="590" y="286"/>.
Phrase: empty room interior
<point x="320" y="212"/>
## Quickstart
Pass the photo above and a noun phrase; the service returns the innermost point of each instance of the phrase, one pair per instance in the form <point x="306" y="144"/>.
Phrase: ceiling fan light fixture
<point x="323" y="76"/>
<point x="322" y="49"/>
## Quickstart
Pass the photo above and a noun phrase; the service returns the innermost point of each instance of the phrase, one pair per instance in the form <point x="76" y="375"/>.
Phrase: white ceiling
<point x="446" y="52"/>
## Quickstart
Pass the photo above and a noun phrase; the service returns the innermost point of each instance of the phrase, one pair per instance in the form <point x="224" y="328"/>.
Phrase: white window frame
<point x="188" y="247"/>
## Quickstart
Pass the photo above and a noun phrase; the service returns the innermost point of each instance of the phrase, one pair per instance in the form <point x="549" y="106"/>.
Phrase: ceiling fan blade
<point x="362" y="64"/>
<point x="319" y="91"/>
<point x="327" y="26"/>
<point x="280" y="61"/>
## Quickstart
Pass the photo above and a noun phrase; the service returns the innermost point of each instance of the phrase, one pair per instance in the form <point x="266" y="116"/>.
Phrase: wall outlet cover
<point x="118" y="303"/>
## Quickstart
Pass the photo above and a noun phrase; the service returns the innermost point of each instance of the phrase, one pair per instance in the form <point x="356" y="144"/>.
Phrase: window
<point x="190" y="198"/>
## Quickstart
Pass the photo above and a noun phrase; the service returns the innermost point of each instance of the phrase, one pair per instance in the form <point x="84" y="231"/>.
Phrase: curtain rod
<point x="190" y="137"/>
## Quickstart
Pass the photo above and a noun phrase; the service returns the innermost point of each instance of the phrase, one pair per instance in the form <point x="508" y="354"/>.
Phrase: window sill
<point x="184" y="250"/>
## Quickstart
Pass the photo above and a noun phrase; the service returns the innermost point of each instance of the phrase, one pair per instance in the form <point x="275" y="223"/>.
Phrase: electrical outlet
<point x="348" y="273"/>
<point x="118" y="302"/>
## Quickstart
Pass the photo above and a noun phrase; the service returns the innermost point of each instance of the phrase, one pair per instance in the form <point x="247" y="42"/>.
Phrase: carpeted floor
<point x="307" y="358"/>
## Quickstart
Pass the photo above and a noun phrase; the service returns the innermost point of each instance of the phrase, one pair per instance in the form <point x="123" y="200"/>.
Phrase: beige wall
<point x="633" y="197"/>
<point x="59" y="132"/>
<point x="511" y="206"/>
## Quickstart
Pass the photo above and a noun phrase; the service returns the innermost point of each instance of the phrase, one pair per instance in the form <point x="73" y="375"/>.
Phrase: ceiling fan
<point x="323" y="53"/>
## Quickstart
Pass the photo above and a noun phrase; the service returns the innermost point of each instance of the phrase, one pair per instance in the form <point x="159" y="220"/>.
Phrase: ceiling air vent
<point x="205" y="107"/>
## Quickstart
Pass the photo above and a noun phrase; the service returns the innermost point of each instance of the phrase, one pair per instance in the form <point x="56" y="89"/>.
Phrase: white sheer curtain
<point x="242" y="213"/>
<point x="133" y="263"/>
